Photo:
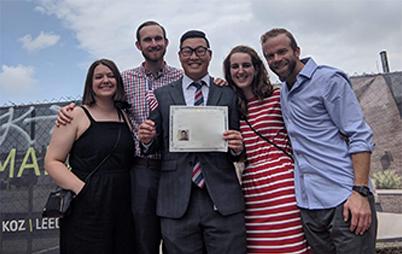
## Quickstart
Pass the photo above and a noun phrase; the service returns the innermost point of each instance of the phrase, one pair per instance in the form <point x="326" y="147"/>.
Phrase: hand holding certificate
<point x="198" y="129"/>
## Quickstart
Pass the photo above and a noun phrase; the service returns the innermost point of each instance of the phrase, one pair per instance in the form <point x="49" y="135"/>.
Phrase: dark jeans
<point x="327" y="232"/>
<point x="145" y="175"/>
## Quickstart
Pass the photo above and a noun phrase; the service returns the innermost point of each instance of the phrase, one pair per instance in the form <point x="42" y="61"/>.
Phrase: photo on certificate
<point x="182" y="135"/>
<point x="198" y="128"/>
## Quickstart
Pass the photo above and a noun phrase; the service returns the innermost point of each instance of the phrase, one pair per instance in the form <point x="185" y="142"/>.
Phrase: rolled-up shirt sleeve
<point x="344" y="109"/>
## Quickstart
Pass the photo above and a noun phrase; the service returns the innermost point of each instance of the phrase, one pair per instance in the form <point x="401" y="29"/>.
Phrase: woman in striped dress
<point x="272" y="218"/>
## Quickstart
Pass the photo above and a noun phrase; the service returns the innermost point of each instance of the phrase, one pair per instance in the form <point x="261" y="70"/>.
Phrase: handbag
<point x="58" y="203"/>
<point x="270" y="142"/>
<point x="59" y="200"/>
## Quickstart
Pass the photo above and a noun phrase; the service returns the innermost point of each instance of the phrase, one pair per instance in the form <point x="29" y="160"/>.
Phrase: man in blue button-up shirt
<point x="332" y="145"/>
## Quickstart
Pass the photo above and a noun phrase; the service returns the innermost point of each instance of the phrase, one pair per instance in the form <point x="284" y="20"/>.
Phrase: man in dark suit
<point x="199" y="198"/>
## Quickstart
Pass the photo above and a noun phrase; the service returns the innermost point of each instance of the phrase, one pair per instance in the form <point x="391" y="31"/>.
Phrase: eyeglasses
<point x="199" y="51"/>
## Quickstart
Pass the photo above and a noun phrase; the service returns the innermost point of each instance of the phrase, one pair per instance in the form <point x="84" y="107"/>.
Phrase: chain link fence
<point x="24" y="185"/>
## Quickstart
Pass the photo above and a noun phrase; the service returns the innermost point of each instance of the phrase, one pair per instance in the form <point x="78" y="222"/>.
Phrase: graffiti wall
<point x="24" y="185"/>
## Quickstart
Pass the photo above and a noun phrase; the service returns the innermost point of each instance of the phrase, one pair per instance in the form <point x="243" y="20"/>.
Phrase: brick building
<point x="380" y="96"/>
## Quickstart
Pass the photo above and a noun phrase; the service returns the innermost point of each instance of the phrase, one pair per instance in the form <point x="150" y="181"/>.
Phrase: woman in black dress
<point x="100" y="218"/>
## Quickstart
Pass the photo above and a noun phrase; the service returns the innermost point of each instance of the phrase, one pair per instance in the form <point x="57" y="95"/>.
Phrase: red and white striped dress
<point x="272" y="218"/>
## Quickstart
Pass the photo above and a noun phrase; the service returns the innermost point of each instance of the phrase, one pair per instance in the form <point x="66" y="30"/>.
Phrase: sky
<point x="46" y="46"/>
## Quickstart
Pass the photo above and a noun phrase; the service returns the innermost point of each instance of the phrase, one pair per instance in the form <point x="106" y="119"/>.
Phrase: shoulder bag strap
<point x="126" y="120"/>
<point x="270" y="142"/>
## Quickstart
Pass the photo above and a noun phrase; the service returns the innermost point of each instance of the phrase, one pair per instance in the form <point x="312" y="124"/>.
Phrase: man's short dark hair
<point x="193" y="34"/>
<point x="149" y="23"/>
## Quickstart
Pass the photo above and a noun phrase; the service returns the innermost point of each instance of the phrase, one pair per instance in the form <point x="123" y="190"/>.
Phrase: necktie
<point x="197" y="176"/>
<point x="198" y="97"/>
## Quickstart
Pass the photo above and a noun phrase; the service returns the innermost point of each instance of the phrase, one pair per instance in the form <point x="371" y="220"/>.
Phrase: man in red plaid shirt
<point x="139" y="84"/>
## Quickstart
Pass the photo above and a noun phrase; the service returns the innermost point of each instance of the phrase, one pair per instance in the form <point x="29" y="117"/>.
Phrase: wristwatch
<point x="362" y="190"/>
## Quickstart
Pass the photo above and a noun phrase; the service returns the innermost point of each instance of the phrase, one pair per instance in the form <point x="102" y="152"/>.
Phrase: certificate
<point x="198" y="128"/>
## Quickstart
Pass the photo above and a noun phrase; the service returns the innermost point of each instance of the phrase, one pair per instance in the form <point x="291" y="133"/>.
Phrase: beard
<point x="284" y="75"/>
<point x="158" y="57"/>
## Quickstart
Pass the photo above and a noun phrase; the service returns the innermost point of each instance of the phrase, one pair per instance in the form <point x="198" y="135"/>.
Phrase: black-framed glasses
<point x="188" y="51"/>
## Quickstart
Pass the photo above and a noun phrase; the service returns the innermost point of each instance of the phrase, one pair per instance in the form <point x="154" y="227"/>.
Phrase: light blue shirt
<point x="321" y="105"/>
<point x="189" y="91"/>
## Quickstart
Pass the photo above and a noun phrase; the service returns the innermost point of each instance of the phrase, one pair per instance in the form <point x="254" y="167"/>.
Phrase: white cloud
<point x="342" y="33"/>
<point x="40" y="9"/>
<point x="43" y="40"/>
<point x="18" y="79"/>
<point x="108" y="30"/>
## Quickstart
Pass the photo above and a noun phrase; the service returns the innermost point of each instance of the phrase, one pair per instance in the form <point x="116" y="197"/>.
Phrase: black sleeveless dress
<point x="100" y="220"/>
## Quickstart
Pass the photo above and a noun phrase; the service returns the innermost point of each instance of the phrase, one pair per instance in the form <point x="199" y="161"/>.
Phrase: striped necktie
<point x="198" y="97"/>
<point x="197" y="176"/>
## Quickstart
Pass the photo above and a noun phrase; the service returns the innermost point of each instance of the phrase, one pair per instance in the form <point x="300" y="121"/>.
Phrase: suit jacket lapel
<point x="214" y="94"/>
<point x="176" y="93"/>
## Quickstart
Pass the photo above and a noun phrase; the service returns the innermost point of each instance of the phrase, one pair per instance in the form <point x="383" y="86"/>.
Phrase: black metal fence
<point x="24" y="185"/>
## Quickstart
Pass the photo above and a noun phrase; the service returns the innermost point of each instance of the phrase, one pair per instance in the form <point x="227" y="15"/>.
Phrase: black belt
<point x="146" y="162"/>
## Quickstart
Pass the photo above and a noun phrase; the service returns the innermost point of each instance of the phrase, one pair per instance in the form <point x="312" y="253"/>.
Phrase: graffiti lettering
<point x="29" y="156"/>
<point x="30" y="161"/>
<point x="16" y="124"/>
<point x="13" y="124"/>
<point x="11" y="161"/>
